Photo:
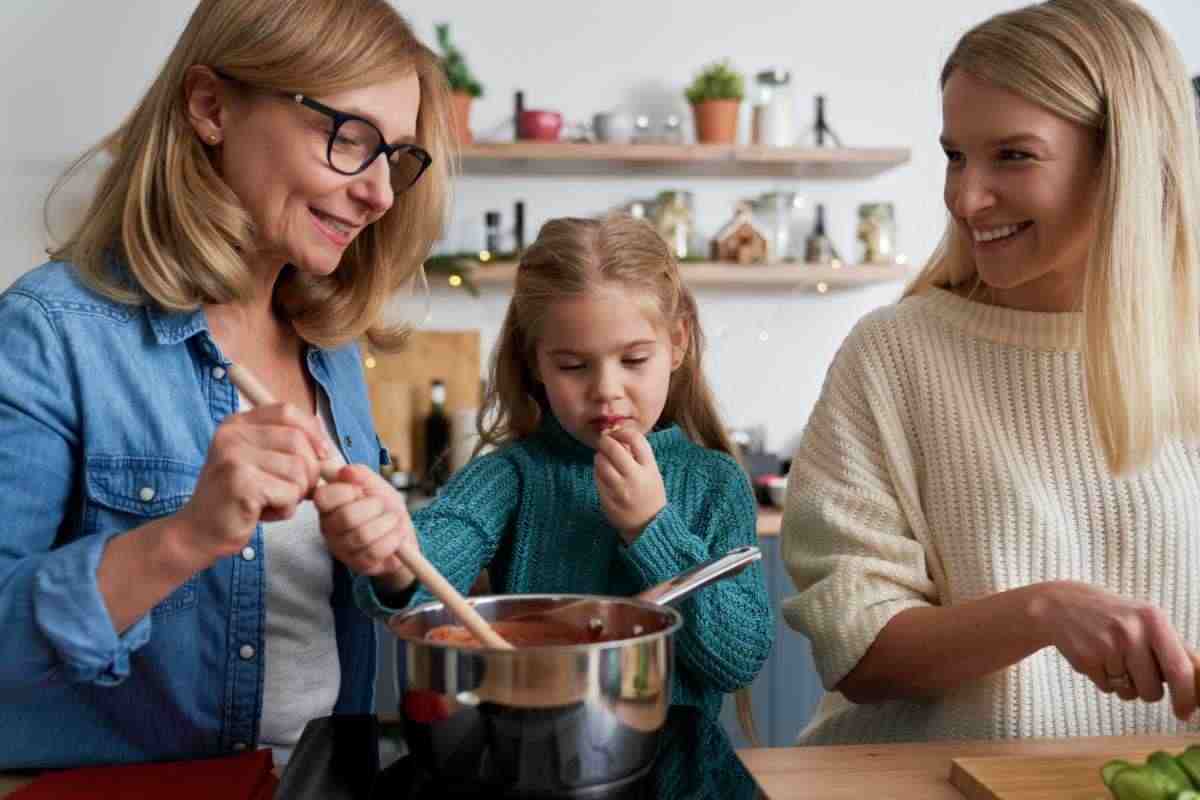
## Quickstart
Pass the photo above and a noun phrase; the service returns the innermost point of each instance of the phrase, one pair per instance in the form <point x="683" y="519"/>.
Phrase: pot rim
<point x="436" y="605"/>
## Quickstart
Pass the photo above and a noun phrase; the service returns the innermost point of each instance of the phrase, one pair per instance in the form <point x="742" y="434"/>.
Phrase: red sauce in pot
<point x="519" y="633"/>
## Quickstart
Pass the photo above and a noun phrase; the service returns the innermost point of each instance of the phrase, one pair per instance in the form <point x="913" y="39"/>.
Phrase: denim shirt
<point x="106" y="415"/>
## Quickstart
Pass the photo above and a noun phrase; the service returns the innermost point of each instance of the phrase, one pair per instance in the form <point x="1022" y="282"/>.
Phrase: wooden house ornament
<point x="741" y="240"/>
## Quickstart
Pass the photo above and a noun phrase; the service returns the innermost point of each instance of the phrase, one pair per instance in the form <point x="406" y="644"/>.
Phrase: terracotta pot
<point x="716" y="121"/>
<point x="460" y="116"/>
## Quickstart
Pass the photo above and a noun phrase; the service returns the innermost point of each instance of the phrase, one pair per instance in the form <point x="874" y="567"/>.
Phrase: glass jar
<point x="673" y="220"/>
<point x="777" y="212"/>
<point x="772" y="123"/>
<point x="877" y="232"/>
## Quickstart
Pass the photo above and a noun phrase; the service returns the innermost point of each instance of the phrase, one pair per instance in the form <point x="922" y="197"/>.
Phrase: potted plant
<point x="463" y="86"/>
<point x="715" y="95"/>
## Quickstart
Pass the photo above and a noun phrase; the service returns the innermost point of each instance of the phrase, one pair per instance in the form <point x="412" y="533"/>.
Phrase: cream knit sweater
<point x="950" y="457"/>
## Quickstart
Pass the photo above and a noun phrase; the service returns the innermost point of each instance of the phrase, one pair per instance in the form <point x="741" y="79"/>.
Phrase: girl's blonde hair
<point x="162" y="209"/>
<point x="572" y="257"/>
<point x="1107" y="65"/>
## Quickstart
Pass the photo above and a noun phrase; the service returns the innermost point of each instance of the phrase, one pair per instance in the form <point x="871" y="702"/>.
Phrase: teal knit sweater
<point x="530" y="513"/>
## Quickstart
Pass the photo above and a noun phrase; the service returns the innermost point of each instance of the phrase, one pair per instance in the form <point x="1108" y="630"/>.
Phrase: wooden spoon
<point x="413" y="558"/>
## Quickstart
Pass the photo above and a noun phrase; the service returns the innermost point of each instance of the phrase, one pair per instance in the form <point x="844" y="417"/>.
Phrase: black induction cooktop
<point x="363" y="757"/>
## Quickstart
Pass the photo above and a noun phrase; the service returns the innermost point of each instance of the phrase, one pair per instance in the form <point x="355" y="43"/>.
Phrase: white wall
<point x="72" y="69"/>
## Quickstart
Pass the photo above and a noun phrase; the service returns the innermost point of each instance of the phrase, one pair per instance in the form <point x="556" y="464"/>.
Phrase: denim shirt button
<point x="247" y="652"/>
<point x="146" y="493"/>
<point x="248" y="553"/>
<point x="218" y="373"/>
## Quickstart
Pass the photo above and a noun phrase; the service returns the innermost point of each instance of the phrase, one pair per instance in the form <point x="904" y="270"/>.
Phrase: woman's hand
<point x="260" y="465"/>
<point x="628" y="481"/>
<point x="365" y="521"/>
<point x="1122" y="645"/>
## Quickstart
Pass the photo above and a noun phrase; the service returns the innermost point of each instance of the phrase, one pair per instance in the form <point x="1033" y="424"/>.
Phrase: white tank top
<point x="303" y="675"/>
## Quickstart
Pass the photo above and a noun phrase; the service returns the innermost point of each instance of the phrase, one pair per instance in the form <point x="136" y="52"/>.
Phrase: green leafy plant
<point x="717" y="81"/>
<point x="455" y="66"/>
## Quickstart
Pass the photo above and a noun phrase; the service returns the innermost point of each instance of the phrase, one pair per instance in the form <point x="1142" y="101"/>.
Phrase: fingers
<point x="1117" y="677"/>
<point x="617" y="454"/>
<point x="636" y="444"/>
<point x="607" y="476"/>
<point x="290" y="416"/>
<point x="1177" y="667"/>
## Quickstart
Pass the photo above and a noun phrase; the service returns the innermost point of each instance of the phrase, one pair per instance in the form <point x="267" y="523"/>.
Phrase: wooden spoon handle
<point x="260" y="395"/>
<point x="413" y="558"/>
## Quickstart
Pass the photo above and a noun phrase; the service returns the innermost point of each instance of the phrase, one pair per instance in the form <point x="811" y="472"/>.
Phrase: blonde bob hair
<point x="162" y="209"/>
<point x="572" y="257"/>
<point x="1107" y="65"/>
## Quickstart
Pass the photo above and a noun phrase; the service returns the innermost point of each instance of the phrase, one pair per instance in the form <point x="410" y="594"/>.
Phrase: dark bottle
<point x="519" y="227"/>
<point x="491" y="230"/>
<point x="437" y="440"/>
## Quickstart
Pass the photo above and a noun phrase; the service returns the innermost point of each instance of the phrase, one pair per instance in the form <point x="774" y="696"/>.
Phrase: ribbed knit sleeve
<point x="460" y="530"/>
<point x="728" y="626"/>
<point x="846" y="541"/>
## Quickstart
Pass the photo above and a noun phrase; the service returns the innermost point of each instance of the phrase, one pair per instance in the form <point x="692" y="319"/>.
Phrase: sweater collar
<point x="1032" y="329"/>
<point x="553" y="433"/>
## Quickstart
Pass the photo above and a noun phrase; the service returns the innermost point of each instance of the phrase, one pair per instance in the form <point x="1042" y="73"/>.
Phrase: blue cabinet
<point x="784" y="695"/>
<point x="787" y="691"/>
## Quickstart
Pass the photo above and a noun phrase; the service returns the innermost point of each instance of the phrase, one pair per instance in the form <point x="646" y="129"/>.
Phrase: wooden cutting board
<point x="1037" y="777"/>
<point x="399" y="385"/>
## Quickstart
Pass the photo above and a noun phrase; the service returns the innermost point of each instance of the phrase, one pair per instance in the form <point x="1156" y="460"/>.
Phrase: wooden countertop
<point x="918" y="771"/>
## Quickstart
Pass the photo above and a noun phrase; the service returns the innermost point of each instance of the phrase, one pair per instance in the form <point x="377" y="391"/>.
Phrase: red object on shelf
<point x="245" y="776"/>
<point x="542" y="126"/>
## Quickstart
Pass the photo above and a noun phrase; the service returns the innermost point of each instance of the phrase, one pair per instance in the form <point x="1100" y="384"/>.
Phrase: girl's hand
<point x="260" y="465"/>
<point x="365" y="521"/>
<point x="628" y="481"/>
<point x="1122" y="645"/>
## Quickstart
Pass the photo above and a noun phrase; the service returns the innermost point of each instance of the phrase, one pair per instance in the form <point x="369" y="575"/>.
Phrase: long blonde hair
<point x="1107" y="65"/>
<point x="163" y="210"/>
<point x="574" y="256"/>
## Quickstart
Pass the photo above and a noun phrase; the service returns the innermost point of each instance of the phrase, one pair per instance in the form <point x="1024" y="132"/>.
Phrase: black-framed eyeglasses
<point x="355" y="142"/>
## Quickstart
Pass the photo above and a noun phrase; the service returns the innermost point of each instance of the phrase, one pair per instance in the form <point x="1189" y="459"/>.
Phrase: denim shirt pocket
<point x="126" y="492"/>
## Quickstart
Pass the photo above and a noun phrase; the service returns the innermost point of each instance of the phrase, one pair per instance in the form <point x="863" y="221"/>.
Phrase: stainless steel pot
<point x="550" y="720"/>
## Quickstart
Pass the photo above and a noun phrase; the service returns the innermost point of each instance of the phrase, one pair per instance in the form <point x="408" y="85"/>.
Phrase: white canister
<point x="772" y="121"/>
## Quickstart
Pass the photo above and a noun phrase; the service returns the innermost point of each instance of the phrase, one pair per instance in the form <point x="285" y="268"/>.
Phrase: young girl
<point x="613" y="473"/>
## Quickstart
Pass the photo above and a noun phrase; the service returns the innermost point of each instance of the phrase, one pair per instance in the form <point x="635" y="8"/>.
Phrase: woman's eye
<point x="634" y="361"/>
<point x="1014" y="155"/>
<point x="953" y="156"/>
<point x="570" y="367"/>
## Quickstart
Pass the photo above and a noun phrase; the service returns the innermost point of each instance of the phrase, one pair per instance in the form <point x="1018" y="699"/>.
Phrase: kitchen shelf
<point x="820" y="278"/>
<point x="703" y="160"/>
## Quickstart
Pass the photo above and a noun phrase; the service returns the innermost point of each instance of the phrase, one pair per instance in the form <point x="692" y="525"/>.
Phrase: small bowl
<point x="540" y="126"/>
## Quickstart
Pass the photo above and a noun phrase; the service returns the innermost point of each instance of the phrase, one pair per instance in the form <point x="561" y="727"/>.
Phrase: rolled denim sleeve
<point x="56" y="625"/>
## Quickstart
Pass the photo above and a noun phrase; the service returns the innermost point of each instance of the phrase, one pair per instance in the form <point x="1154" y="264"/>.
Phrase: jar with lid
<point x="779" y="214"/>
<point x="772" y="123"/>
<point x="673" y="220"/>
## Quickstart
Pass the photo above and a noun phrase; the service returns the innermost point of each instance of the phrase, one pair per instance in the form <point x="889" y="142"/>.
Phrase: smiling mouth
<point x="338" y="226"/>
<point x="999" y="233"/>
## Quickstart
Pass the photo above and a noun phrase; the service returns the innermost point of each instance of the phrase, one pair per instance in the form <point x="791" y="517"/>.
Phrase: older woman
<point x="163" y="591"/>
<point x="993" y="513"/>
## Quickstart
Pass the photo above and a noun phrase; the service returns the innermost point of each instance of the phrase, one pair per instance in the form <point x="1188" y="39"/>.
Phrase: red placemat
<point x="246" y="776"/>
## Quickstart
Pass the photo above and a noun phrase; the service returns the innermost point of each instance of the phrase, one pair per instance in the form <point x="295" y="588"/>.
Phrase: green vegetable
<point x="455" y="66"/>
<point x="1165" y="763"/>
<point x="1143" y="783"/>
<point x="1110" y="770"/>
<point x="1189" y="761"/>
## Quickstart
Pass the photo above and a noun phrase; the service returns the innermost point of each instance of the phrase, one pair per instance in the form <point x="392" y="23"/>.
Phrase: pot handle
<point x="685" y="583"/>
